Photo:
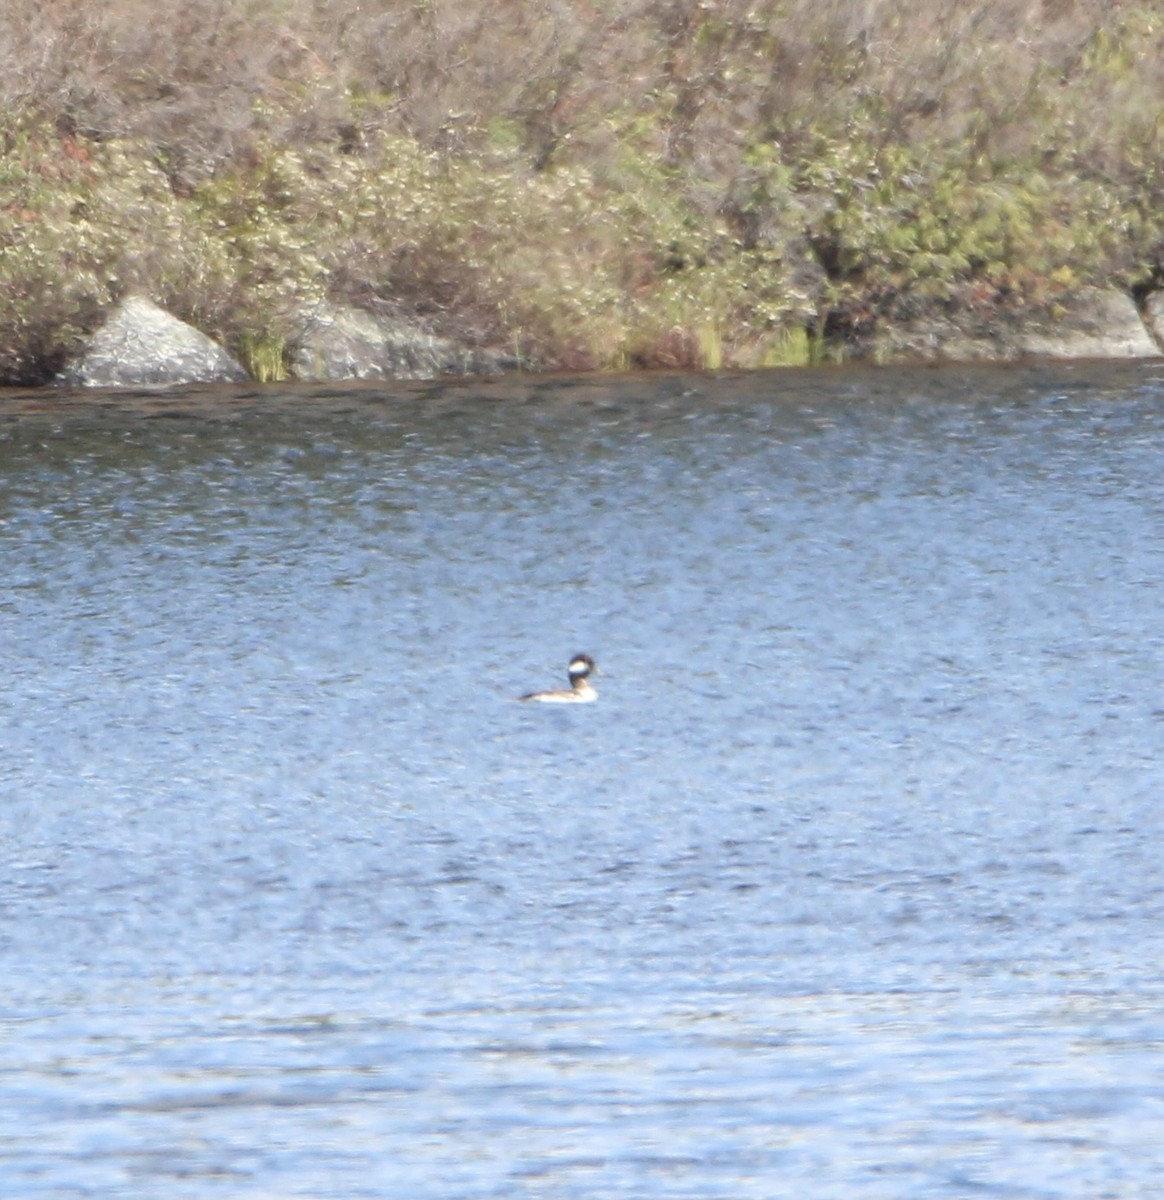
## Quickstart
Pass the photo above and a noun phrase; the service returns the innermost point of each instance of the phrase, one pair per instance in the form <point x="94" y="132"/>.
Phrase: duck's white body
<point x="580" y="691"/>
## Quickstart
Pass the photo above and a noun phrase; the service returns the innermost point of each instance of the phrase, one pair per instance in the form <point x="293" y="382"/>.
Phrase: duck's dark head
<point x="580" y="666"/>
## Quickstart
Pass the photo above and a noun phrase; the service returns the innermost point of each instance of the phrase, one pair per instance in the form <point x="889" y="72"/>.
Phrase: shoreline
<point x="890" y="383"/>
<point x="143" y="346"/>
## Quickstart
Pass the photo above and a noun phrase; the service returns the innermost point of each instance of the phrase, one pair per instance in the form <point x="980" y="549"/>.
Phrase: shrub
<point x="655" y="182"/>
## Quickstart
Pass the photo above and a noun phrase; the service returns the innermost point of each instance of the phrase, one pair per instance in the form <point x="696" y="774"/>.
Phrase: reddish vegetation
<point x="687" y="179"/>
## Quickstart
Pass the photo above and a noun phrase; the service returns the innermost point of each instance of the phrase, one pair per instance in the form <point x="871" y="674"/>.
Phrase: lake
<point x="850" y="885"/>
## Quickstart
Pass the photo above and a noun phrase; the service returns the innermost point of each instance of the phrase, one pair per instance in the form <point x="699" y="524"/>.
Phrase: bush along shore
<point x="427" y="186"/>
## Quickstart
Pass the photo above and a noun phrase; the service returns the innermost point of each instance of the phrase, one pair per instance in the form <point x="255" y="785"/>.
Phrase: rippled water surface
<point x="850" y="885"/>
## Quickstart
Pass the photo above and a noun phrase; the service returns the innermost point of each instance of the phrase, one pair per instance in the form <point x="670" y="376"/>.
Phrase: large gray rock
<point x="336" y="342"/>
<point x="142" y="345"/>
<point x="1093" y="324"/>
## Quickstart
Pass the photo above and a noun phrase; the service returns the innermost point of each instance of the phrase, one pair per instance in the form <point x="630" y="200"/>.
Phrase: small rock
<point x="338" y="342"/>
<point x="142" y="345"/>
<point x="933" y="339"/>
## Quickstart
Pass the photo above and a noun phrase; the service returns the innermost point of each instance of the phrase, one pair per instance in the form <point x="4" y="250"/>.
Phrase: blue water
<point x="849" y="885"/>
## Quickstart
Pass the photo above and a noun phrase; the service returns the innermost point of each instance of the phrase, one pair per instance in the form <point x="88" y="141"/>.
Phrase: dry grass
<point x="629" y="181"/>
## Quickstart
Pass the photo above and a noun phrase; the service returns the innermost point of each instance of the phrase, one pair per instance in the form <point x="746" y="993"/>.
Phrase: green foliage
<point x="53" y="261"/>
<point x="930" y="222"/>
<point x="264" y="355"/>
<point x="773" y="172"/>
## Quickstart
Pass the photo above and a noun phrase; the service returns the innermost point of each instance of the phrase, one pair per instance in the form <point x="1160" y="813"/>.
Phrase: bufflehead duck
<point x="579" y="691"/>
